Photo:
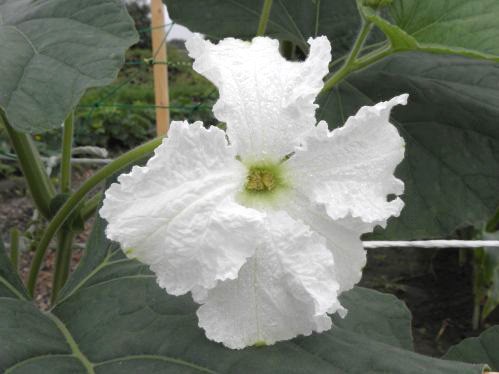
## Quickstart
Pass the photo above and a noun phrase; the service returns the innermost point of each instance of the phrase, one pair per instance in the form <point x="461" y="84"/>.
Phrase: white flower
<point x="262" y="223"/>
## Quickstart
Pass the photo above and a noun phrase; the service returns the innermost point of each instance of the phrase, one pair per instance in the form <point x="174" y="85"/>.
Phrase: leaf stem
<point x="67" y="143"/>
<point x="66" y="236"/>
<point x="352" y="63"/>
<point x="363" y="49"/>
<point x="264" y="17"/>
<point x="14" y="247"/>
<point x="359" y="42"/>
<point x="349" y="63"/>
<point x="76" y="198"/>
<point x="41" y="188"/>
<point x="90" y="206"/>
<point x="63" y="261"/>
<point x="361" y="63"/>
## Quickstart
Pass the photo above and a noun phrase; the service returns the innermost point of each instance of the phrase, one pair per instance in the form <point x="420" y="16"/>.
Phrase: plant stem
<point x="90" y="206"/>
<point x="369" y="47"/>
<point x="347" y="66"/>
<point x="65" y="236"/>
<point x="264" y="17"/>
<point x="76" y="198"/>
<point x="361" y="63"/>
<point x="65" y="240"/>
<point x="336" y="78"/>
<point x="67" y="143"/>
<point x="475" y="319"/>
<point x="63" y="261"/>
<point x="351" y="63"/>
<point x="359" y="42"/>
<point x="14" y="247"/>
<point x="41" y="188"/>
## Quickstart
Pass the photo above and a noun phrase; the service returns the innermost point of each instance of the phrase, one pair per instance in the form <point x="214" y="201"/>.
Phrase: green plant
<point x="110" y="316"/>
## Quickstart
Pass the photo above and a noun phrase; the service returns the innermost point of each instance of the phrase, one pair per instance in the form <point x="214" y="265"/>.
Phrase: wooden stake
<point x="160" y="69"/>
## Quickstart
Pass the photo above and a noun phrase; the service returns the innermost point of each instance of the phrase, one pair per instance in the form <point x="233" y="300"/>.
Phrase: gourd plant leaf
<point x="462" y="27"/>
<point x="451" y="167"/>
<point x="113" y="318"/>
<point x="292" y="20"/>
<point x="52" y="51"/>
<point x="480" y="349"/>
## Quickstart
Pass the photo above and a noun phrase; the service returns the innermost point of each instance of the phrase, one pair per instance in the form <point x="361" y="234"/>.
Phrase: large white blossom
<point x="261" y="223"/>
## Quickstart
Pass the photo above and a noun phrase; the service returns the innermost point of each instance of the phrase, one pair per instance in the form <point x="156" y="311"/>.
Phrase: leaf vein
<point x="12" y="289"/>
<point x="77" y="353"/>
<point x="158" y="358"/>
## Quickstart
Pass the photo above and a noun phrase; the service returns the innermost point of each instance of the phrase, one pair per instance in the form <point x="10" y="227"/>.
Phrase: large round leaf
<point x="112" y="318"/>
<point x="53" y="50"/>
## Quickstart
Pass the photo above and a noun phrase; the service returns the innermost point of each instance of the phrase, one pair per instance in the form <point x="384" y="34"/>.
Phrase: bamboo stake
<point x="160" y="70"/>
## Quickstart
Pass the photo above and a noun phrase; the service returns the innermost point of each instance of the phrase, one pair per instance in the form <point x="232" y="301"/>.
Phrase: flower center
<point x="265" y="184"/>
<point x="261" y="179"/>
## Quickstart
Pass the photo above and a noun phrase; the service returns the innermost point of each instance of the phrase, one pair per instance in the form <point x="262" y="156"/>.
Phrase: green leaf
<point x="481" y="349"/>
<point x="292" y="20"/>
<point x="462" y="27"/>
<point x="53" y="50"/>
<point x="400" y="40"/>
<point x="374" y="319"/>
<point x="10" y="284"/>
<point x="113" y="318"/>
<point x="451" y="170"/>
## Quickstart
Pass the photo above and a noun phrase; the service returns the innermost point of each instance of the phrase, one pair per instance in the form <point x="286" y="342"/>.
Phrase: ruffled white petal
<point x="350" y="170"/>
<point x="178" y="212"/>
<point x="342" y="238"/>
<point x="283" y="291"/>
<point x="266" y="101"/>
<point x="207" y="243"/>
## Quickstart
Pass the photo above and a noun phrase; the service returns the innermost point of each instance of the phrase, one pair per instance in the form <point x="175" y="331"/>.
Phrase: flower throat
<point x="260" y="180"/>
<point x="265" y="184"/>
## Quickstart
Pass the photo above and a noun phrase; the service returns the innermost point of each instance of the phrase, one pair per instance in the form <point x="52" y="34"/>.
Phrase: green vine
<point x="264" y="17"/>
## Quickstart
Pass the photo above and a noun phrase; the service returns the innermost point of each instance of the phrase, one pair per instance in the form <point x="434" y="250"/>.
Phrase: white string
<point x="431" y="243"/>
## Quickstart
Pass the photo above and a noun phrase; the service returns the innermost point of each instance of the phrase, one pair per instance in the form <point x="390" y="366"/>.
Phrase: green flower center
<point x="264" y="178"/>
<point x="265" y="183"/>
<point x="260" y="179"/>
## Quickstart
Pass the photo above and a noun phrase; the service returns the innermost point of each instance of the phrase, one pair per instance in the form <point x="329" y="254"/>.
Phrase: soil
<point x="435" y="286"/>
<point x="16" y="210"/>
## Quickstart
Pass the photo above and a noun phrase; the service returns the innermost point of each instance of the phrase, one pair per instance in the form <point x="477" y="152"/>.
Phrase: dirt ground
<point x="437" y="290"/>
